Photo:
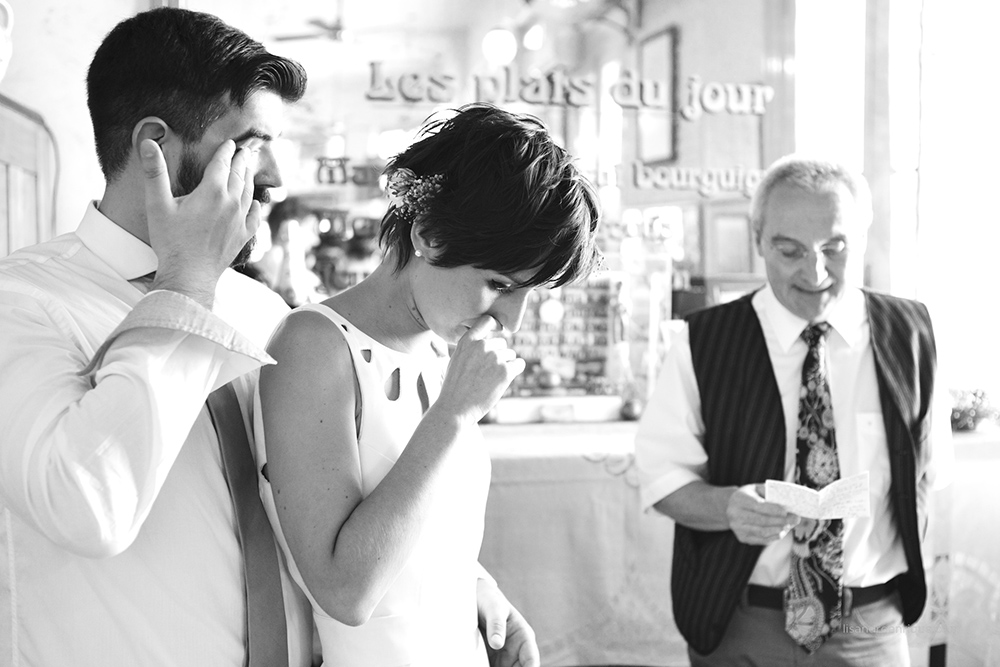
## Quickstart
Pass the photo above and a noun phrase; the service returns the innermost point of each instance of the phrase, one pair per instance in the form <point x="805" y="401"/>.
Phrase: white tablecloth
<point x="567" y="543"/>
<point x="972" y="566"/>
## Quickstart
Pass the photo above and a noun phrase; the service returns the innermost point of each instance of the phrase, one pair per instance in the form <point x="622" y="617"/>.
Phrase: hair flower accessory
<point x="410" y="194"/>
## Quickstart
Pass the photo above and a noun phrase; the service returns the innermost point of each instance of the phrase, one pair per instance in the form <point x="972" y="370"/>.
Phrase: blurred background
<point x="672" y="108"/>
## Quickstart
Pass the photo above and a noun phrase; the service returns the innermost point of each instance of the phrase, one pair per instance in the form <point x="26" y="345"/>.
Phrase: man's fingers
<point x="253" y="218"/>
<point x="238" y="174"/>
<point x="220" y="168"/>
<point x="248" y="177"/>
<point x="756" y="521"/>
<point x="158" y="194"/>
<point x="747" y="499"/>
<point x="771" y="509"/>
<point x="241" y="176"/>
<point x="758" y="524"/>
<point x="760" y="534"/>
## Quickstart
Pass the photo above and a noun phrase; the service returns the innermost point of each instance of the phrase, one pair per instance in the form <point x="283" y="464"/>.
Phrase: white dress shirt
<point x="669" y="451"/>
<point x="118" y="542"/>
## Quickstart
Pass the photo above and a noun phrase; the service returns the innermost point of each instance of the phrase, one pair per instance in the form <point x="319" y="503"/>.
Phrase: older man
<point x="807" y="380"/>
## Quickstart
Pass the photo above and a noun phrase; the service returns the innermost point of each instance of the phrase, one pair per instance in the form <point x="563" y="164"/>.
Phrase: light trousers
<point x="872" y="635"/>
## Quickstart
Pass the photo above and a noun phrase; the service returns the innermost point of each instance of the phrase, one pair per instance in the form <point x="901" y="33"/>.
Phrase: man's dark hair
<point x="290" y="208"/>
<point x="510" y="199"/>
<point x="187" y="68"/>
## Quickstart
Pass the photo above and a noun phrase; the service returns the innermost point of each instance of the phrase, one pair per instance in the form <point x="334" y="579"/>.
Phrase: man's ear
<point x="150" y="127"/>
<point x="155" y="128"/>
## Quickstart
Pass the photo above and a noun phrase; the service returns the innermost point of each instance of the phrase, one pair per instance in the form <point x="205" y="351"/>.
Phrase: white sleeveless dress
<point x="428" y="618"/>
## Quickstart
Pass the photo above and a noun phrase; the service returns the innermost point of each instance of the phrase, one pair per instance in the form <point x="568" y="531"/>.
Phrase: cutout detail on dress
<point x="367" y="354"/>
<point x="392" y="385"/>
<point x="422" y="393"/>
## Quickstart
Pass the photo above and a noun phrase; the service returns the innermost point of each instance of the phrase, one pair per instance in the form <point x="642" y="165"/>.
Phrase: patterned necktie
<point x="815" y="588"/>
<point x="267" y="644"/>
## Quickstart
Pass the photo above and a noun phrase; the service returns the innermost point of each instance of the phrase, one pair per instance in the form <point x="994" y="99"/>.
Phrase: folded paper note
<point x="843" y="499"/>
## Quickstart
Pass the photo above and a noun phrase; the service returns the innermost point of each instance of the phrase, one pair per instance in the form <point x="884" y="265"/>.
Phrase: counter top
<point x="568" y="438"/>
<point x="567" y="541"/>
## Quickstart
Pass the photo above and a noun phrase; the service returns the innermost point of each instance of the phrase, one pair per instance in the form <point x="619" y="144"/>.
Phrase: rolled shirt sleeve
<point x="668" y="446"/>
<point x="88" y="442"/>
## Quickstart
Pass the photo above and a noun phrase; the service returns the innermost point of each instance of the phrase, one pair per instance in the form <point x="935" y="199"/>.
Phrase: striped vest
<point x="745" y="435"/>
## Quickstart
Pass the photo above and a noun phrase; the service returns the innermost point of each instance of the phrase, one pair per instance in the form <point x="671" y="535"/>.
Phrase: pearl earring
<point x="418" y="253"/>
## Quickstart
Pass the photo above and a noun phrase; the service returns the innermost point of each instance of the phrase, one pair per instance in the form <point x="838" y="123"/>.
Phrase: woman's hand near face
<point x="480" y="370"/>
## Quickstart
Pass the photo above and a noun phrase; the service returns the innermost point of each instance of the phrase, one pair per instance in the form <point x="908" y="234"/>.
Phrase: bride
<point x="373" y="470"/>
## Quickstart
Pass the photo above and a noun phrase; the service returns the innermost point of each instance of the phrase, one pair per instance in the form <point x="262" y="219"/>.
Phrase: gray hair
<point x="811" y="174"/>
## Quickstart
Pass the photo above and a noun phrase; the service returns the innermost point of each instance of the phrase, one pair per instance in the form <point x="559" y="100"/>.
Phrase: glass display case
<point x="574" y="342"/>
<point x="592" y="349"/>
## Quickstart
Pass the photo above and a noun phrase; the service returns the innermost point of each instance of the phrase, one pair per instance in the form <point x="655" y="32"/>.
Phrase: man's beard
<point x="189" y="175"/>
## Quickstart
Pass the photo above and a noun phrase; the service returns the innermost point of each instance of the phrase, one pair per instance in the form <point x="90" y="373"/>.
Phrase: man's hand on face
<point x="195" y="237"/>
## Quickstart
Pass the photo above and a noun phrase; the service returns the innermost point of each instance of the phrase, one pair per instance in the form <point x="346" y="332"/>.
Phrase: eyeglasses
<point x="795" y="251"/>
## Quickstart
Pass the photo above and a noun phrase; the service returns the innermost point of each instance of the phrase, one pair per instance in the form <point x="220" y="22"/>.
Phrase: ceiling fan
<point x="333" y="30"/>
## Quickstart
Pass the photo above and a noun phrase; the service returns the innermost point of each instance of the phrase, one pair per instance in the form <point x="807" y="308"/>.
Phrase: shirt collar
<point x="128" y="256"/>
<point x="847" y="317"/>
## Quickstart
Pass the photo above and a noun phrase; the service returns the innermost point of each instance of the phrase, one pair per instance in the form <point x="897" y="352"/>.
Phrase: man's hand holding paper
<point x="846" y="498"/>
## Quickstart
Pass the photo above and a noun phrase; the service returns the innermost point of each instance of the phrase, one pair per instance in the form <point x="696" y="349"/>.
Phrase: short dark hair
<point x="177" y="65"/>
<point x="510" y="200"/>
<point x="290" y="208"/>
